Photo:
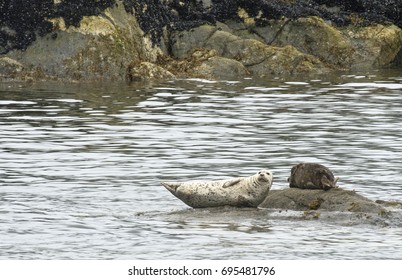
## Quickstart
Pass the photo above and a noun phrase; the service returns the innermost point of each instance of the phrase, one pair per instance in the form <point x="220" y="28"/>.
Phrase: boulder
<point x="332" y="200"/>
<point x="376" y="45"/>
<point x="312" y="36"/>
<point x="203" y="63"/>
<point x="351" y="47"/>
<point x="258" y="58"/>
<point x="100" y="47"/>
<point x="221" y="68"/>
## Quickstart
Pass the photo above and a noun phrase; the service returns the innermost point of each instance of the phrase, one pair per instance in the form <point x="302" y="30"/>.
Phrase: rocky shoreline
<point x="117" y="40"/>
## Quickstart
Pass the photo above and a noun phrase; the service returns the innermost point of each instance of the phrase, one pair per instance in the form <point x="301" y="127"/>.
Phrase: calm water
<point x="80" y="166"/>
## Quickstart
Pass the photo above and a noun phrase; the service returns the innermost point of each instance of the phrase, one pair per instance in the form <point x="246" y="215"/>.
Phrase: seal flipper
<point x="336" y="181"/>
<point x="231" y="183"/>
<point x="327" y="184"/>
<point x="310" y="185"/>
<point x="170" y="186"/>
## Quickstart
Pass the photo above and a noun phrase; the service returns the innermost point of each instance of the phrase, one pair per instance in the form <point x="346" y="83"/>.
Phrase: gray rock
<point x="185" y="42"/>
<point x="332" y="200"/>
<point x="102" y="47"/>
<point x="220" y="68"/>
<point x="260" y="59"/>
<point x="348" y="48"/>
<point x="311" y="36"/>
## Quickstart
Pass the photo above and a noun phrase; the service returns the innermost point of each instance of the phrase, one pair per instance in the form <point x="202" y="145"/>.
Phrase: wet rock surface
<point x="233" y="215"/>
<point x="337" y="206"/>
<point x="259" y="58"/>
<point x="336" y="199"/>
<point x="99" y="47"/>
<point x="110" y="39"/>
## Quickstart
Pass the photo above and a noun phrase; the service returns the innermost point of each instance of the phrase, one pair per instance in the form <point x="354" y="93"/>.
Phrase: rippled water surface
<point x="80" y="166"/>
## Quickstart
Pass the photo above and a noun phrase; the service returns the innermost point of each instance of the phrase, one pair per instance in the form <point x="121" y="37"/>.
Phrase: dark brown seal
<point x="311" y="176"/>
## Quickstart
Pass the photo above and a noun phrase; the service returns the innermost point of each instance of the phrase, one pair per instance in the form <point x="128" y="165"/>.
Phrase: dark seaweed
<point x="21" y="23"/>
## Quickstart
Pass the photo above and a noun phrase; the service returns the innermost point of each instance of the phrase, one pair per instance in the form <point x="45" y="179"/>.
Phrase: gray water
<point x="80" y="166"/>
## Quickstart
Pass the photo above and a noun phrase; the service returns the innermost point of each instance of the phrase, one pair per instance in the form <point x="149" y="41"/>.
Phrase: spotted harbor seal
<point x="311" y="176"/>
<point x="238" y="192"/>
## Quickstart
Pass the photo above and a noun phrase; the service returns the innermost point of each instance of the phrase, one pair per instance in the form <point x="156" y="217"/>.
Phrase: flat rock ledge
<point x="337" y="206"/>
<point x="333" y="200"/>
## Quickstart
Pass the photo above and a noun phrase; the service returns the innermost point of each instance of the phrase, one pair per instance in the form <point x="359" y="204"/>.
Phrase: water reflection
<point x="80" y="166"/>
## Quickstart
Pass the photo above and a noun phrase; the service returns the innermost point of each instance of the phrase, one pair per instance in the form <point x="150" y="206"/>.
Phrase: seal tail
<point x="172" y="187"/>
